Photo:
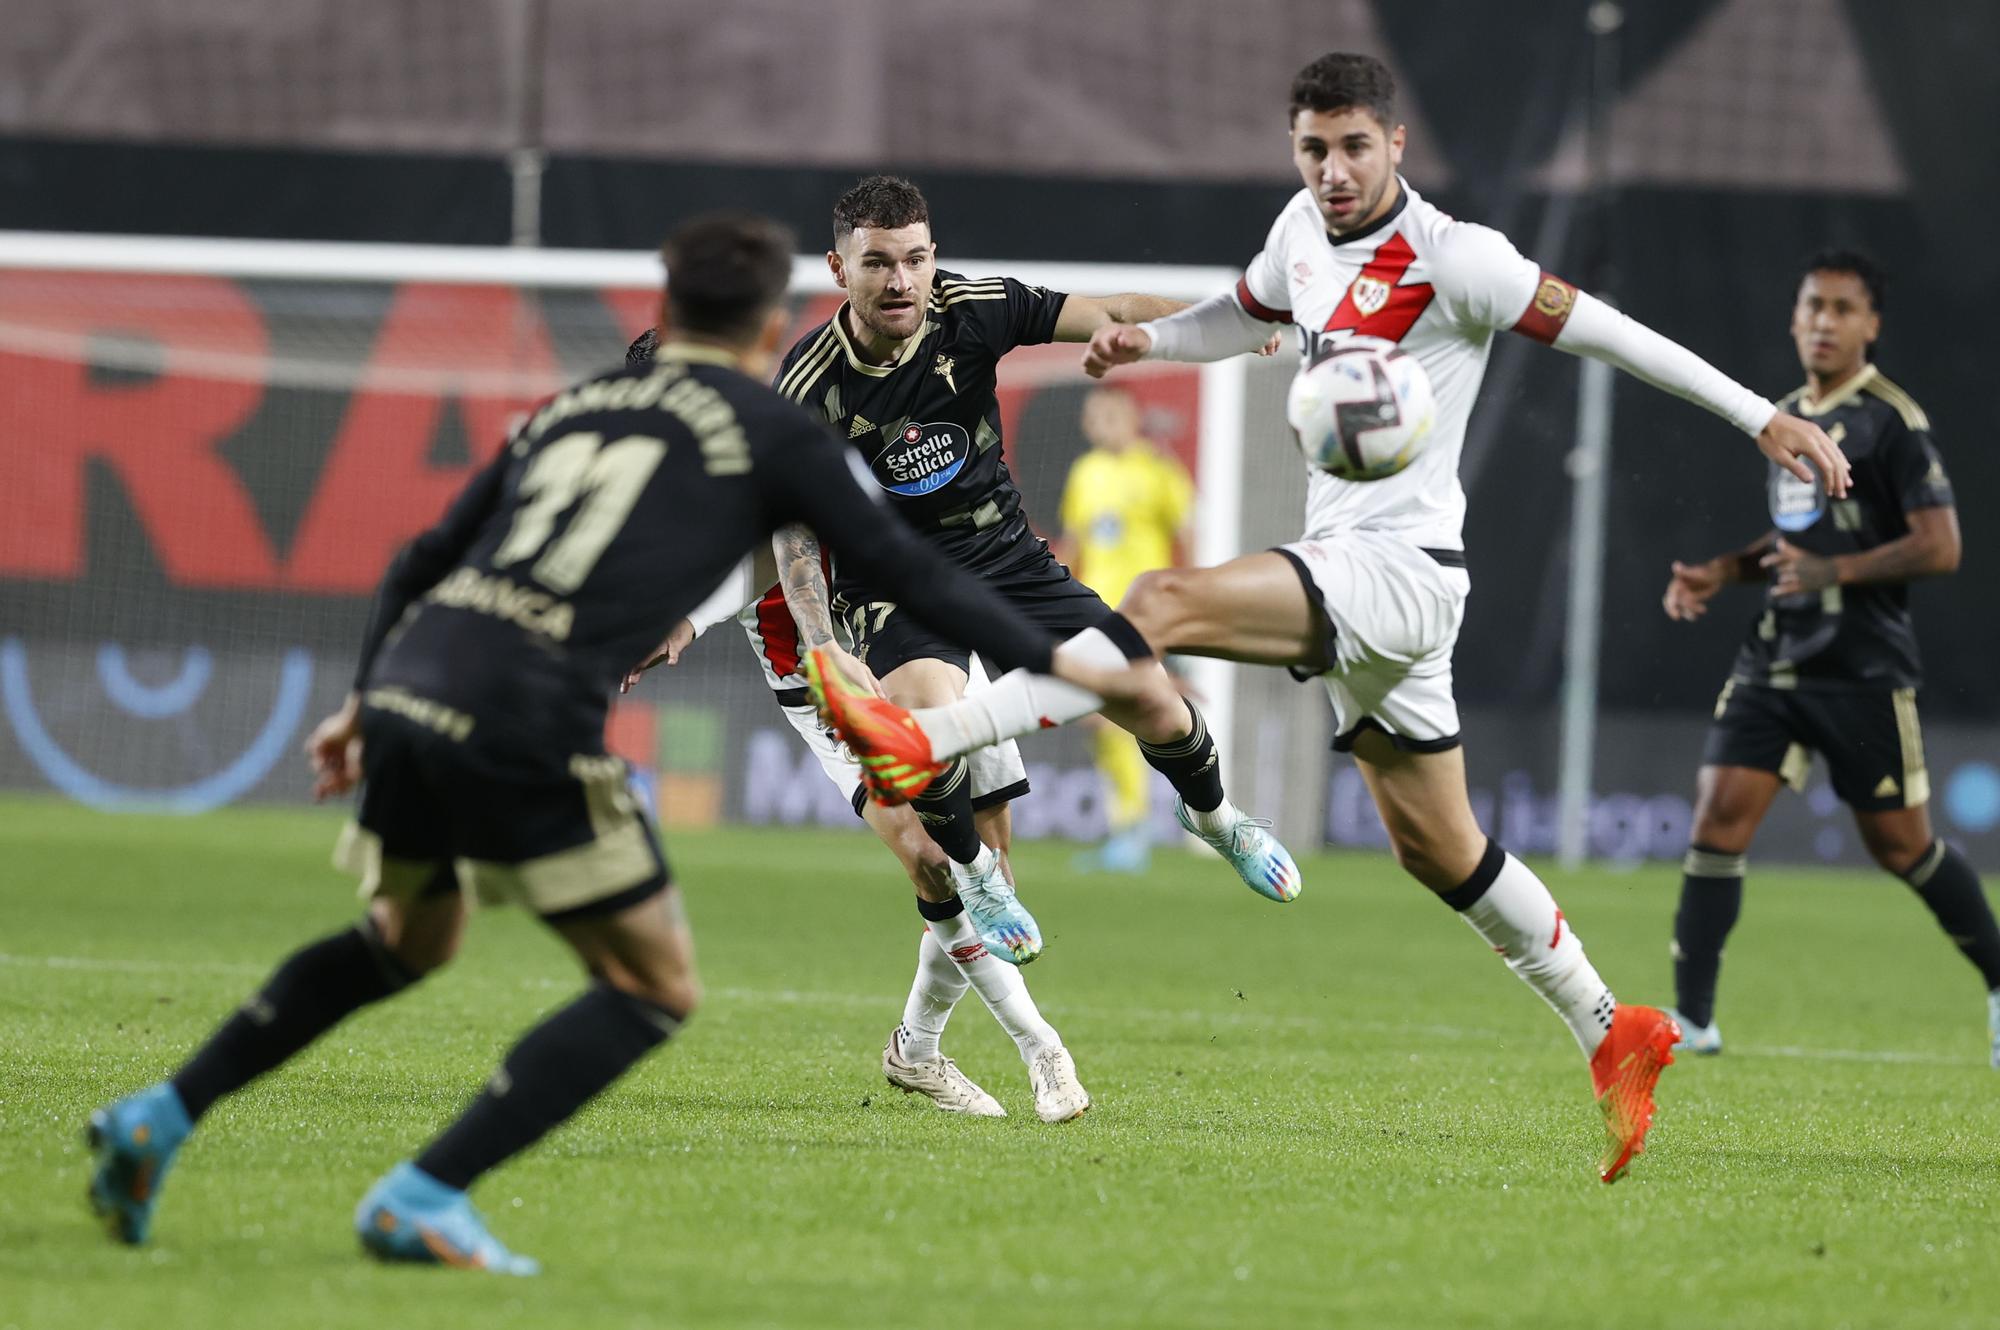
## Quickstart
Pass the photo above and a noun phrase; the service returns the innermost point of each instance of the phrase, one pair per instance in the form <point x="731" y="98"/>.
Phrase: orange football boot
<point x="894" y="754"/>
<point x="1623" y="1072"/>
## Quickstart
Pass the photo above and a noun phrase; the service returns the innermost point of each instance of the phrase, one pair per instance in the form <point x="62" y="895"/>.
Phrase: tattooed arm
<point x="802" y="576"/>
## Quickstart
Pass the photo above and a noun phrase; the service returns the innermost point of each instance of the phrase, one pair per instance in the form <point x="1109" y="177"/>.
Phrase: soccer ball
<point x="1362" y="410"/>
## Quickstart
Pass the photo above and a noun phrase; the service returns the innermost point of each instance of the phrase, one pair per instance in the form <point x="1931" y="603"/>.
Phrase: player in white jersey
<point x="950" y="957"/>
<point x="1372" y="598"/>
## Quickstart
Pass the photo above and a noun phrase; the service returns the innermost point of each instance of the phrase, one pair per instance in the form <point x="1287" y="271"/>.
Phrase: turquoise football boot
<point x="1002" y="922"/>
<point x="411" y="1216"/>
<point x="1265" y="866"/>
<point x="134" y="1141"/>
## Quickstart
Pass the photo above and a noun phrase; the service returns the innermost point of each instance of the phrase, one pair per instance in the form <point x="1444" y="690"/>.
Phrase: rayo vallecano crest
<point x="1369" y="294"/>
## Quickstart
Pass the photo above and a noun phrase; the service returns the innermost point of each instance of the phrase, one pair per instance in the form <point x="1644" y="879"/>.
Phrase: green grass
<point x="1343" y="1111"/>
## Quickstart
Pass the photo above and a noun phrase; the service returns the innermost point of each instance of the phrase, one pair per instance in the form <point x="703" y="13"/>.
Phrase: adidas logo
<point x="859" y="426"/>
<point x="1886" y="787"/>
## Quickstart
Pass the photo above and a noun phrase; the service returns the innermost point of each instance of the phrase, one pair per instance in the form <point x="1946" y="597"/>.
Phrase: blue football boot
<point x="1002" y="922"/>
<point x="134" y="1141"/>
<point x="1265" y="866"/>
<point x="411" y="1216"/>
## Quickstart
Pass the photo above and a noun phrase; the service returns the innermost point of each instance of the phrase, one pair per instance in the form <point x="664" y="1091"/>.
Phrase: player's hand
<point x="1793" y="443"/>
<point x="1115" y="344"/>
<point x="850" y="666"/>
<point x="1272" y="343"/>
<point x="668" y="652"/>
<point x="1798" y="572"/>
<point x="1690" y="588"/>
<point x="335" y="750"/>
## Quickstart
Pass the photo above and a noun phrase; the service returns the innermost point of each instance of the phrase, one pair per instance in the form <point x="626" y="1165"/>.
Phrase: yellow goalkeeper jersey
<point x="1123" y="511"/>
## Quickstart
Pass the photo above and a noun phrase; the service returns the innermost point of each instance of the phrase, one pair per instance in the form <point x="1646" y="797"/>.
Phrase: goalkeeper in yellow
<point x="1125" y="506"/>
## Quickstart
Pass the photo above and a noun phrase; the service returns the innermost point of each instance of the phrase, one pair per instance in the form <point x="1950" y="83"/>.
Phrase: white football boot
<point x="937" y="1079"/>
<point x="1059" y="1095"/>
<point x="1705" y="1040"/>
<point x="1993" y="1024"/>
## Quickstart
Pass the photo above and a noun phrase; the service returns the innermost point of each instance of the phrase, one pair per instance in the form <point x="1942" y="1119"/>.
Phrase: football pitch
<point x="1338" y="1112"/>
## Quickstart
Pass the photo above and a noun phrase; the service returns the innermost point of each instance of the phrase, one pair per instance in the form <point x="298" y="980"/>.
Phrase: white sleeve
<point x="727" y="600"/>
<point x="1597" y="330"/>
<point x="1485" y="281"/>
<point x="1216" y="329"/>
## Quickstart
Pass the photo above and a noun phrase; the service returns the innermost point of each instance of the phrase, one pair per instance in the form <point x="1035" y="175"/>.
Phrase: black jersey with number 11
<point x="611" y="513"/>
<point x="928" y="425"/>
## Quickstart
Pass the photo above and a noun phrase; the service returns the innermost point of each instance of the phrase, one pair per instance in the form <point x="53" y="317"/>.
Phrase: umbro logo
<point x="859" y="426"/>
<point x="1885" y="787"/>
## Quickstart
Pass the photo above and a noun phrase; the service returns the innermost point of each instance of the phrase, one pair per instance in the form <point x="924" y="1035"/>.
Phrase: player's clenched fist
<point x="1115" y="344"/>
<point x="1792" y="443"/>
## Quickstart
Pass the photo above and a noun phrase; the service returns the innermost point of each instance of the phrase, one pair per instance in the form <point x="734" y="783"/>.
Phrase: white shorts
<point x="997" y="773"/>
<point x="1395" y="611"/>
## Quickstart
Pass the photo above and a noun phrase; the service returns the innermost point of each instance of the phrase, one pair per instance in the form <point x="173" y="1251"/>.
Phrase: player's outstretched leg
<point x="134" y="1141"/>
<point x="644" y="989"/>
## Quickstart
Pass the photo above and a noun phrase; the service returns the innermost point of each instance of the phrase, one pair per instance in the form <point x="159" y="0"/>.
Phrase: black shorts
<point x="885" y="635"/>
<point x="1873" y="746"/>
<point x="557" y="831"/>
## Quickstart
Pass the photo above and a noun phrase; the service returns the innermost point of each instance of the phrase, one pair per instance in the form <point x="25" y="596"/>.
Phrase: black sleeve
<point x="818" y="481"/>
<point x="1006" y="312"/>
<point x="422" y="563"/>
<point x="1915" y="471"/>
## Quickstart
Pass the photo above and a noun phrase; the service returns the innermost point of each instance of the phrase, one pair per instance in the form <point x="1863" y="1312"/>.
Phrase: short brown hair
<point x="725" y="272"/>
<point x="1342" y="81"/>
<point x="885" y="201"/>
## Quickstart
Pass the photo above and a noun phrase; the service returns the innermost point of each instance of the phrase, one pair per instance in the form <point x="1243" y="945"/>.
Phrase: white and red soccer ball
<point x="1362" y="410"/>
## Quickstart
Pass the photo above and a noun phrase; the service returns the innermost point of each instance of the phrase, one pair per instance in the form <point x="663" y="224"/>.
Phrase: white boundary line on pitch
<point x="858" y="1001"/>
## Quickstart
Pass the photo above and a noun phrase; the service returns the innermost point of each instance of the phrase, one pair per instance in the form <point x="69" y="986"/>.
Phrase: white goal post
<point x="1221" y="419"/>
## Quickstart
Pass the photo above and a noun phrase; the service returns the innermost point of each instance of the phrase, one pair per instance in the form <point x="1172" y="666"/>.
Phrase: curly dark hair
<point x="886" y="201"/>
<point x="726" y="271"/>
<point x="1850" y="261"/>
<point x="1341" y="81"/>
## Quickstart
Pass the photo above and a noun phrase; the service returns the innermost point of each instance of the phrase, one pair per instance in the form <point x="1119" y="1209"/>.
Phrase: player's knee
<point x="1895" y="850"/>
<point x="1721" y="826"/>
<point x="423" y="936"/>
<point x="669" y="983"/>
<point x="1156" y="605"/>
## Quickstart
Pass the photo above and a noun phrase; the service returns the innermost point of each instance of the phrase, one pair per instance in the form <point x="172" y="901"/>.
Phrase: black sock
<point x="1711" y="898"/>
<point x="945" y="809"/>
<point x="1189" y="763"/>
<point x="936" y="912"/>
<point x="556" y="1069"/>
<point x="1946" y="882"/>
<point x="313" y="991"/>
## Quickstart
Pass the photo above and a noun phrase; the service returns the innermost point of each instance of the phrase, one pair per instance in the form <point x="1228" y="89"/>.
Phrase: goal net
<point x="210" y="450"/>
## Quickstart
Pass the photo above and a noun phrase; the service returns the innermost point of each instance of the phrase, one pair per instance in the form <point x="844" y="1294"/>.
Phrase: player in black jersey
<point x="906" y="371"/>
<point x="1830" y="666"/>
<point x="477" y="719"/>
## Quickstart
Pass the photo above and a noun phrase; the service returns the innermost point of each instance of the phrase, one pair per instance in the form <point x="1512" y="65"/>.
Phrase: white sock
<point x="1216" y="820"/>
<point x="935" y="991"/>
<point x="999" y="985"/>
<point x="1518" y="918"/>
<point x="1018" y="702"/>
<point x="986" y="864"/>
